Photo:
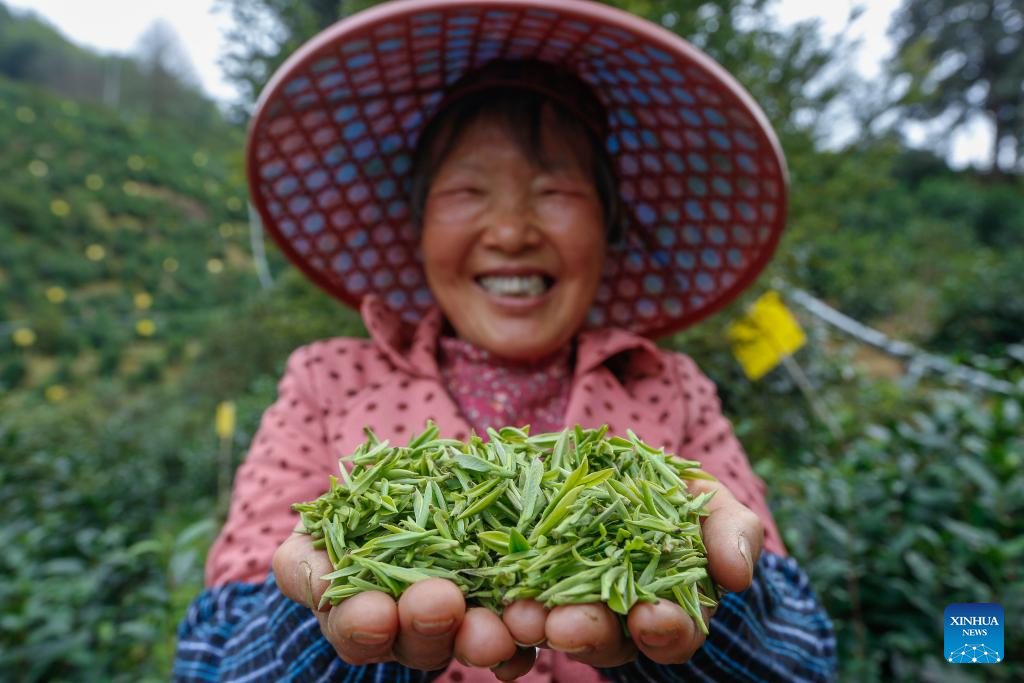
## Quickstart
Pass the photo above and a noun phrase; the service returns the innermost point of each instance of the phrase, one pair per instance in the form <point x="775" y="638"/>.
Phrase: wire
<point x="919" y="361"/>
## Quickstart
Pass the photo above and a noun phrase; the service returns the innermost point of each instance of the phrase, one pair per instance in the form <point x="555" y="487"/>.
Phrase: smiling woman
<point x="513" y="230"/>
<point x="560" y="214"/>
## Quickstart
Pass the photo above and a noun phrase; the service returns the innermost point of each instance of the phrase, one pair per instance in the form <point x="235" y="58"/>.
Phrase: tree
<point x="265" y="32"/>
<point x="165" y="63"/>
<point x="162" y="81"/>
<point x="962" y="58"/>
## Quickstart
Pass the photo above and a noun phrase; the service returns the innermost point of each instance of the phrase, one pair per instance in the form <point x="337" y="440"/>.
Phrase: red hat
<point x="701" y="173"/>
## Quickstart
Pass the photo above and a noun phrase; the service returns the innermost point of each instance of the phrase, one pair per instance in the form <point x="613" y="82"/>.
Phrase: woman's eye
<point x="463" y="191"/>
<point x="556" y="191"/>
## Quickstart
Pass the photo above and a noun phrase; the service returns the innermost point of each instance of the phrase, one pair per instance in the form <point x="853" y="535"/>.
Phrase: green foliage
<point x="914" y="511"/>
<point x="146" y="200"/>
<point x="990" y="211"/>
<point x="915" y="503"/>
<point x="893" y="238"/>
<point x="266" y="32"/>
<point x="983" y="310"/>
<point x="269" y="328"/>
<point x="963" y="57"/>
<point x="101" y="553"/>
<point x="110" y="497"/>
<point x="110" y="493"/>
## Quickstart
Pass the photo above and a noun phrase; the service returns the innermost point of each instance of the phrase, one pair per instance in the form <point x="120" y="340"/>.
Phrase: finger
<point x="664" y="631"/>
<point x="363" y="628"/>
<point x="429" y="613"/>
<point x="525" y="620"/>
<point x="520" y="664"/>
<point x="590" y="633"/>
<point x="298" y="567"/>
<point x="483" y="639"/>
<point x="733" y="536"/>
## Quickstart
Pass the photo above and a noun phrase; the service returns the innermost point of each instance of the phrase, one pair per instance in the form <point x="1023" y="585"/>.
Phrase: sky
<point x="115" y="26"/>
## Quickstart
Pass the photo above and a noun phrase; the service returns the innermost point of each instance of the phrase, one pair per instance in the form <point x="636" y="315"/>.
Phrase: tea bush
<point x="915" y="511"/>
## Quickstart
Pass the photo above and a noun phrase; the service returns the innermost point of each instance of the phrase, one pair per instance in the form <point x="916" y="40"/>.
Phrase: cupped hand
<point x="430" y="623"/>
<point x="664" y="632"/>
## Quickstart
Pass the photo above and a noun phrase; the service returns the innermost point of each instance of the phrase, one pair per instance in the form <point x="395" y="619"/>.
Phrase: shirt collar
<point x="596" y="346"/>
<point x="412" y="347"/>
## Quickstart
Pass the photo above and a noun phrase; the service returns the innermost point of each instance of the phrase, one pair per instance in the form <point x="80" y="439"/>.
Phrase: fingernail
<point x="308" y="570"/>
<point x="528" y="644"/>
<point x="432" y="628"/>
<point x="364" y="638"/>
<point x="744" y="548"/>
<point x="572" y="650"/>
<point x="658" y="638"/>
<point x="501" y="664"/>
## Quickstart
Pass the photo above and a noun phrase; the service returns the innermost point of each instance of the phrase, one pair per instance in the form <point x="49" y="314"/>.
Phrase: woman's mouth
<point x="515" y="285"/>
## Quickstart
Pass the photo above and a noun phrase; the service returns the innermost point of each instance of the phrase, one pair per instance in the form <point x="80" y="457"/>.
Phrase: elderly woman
<point x="514" y="234"/>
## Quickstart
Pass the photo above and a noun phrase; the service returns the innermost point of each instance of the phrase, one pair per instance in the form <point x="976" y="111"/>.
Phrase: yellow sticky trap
<point x="765" y="335"/>
<point x="225" y="419"/>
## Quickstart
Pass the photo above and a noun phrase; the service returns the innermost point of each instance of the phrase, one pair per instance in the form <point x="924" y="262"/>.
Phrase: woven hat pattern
<point x="700" y="170"/>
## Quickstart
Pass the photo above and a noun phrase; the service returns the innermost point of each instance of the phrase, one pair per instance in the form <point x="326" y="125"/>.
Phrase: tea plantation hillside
<point x="124" y="243"/>
<point x="120" y="238"/>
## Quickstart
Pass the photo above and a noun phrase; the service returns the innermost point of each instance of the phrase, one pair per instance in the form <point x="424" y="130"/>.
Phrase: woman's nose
<point x="509" y="226"/>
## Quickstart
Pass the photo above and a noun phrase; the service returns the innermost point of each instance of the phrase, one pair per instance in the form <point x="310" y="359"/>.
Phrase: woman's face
<point x="513" y="253"/>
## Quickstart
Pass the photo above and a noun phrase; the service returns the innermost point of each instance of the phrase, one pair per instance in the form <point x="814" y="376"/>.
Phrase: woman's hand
<point x="426" y="627"/>
<point x="430" y="623"/>
<point x="733" y="536"/>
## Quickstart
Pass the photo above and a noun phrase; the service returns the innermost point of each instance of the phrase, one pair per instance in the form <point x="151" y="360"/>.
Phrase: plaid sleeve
<point x="775" y="631"/>
<point x="251" y="632"/>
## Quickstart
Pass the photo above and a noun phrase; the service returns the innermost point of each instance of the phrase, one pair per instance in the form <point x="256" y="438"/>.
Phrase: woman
<point x="530" y="299"/>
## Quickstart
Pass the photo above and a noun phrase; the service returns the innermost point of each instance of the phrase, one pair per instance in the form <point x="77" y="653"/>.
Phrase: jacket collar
<point x="412" y="347"/>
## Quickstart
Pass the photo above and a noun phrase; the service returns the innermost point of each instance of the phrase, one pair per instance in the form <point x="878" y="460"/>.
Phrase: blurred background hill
<point x="132" y="303"/>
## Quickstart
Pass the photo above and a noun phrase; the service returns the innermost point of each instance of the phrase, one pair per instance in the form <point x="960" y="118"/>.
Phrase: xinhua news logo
<point x="974" y="633"/>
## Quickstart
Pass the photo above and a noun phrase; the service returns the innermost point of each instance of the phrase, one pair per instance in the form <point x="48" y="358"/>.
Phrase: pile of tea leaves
<point x="562" y="517"/>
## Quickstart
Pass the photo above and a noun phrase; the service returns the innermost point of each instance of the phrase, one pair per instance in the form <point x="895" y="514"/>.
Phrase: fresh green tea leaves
<point x="565" y="517"/>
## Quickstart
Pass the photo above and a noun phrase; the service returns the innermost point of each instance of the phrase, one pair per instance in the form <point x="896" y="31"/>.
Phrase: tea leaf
<point x="484" y="502"/>
<point x="560" y="510"/>
<point x="531" y="492"/>
<point x="472" y="462"/>
<point x="517" y="543"/>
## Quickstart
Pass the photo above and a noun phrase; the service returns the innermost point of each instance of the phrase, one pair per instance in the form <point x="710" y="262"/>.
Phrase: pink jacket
<point x="391" y="382"/>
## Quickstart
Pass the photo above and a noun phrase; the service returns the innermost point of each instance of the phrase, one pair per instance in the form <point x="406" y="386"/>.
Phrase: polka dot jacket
<point x="403" y="376"/>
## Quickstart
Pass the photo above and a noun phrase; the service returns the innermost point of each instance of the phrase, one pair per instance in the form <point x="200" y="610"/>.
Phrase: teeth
<point x="516" y="285"/>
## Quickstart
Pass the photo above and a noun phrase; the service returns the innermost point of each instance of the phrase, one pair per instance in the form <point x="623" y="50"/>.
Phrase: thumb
<point x="733" y="536"/>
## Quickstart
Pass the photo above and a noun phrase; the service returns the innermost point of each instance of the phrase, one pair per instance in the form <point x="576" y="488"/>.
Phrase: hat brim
<point x="701" y="171"/>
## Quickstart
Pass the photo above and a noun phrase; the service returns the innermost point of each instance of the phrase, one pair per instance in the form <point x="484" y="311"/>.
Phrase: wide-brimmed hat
<point x="700" y="171"/>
